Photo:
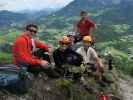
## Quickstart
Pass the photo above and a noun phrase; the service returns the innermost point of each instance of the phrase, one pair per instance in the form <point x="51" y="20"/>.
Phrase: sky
<point x="17" y="5"/>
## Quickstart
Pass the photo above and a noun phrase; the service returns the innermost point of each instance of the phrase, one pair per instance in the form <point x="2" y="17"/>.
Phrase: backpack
<point x="15" y="81"/>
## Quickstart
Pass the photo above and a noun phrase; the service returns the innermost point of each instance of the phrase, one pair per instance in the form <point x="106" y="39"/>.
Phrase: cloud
<point x="32" y="4"/>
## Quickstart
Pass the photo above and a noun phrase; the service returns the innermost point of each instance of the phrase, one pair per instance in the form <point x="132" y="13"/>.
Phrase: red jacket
<point x="84" y="26"/>
<point x="103" y="97"/>
<point x="22" y="50"/>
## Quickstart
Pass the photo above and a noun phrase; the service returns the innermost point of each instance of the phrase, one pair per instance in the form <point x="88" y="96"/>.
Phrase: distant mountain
<point x="44" y="13"/>
<point x="40" y="13"/>
<point x="90" y="5"/>
<point x="107" y="11"/>
<point x="8" y="18"/>
<point x="121" y="14"/>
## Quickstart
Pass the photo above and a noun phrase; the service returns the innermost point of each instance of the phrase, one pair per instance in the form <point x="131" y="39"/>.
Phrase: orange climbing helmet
<point x="65" y="40"/>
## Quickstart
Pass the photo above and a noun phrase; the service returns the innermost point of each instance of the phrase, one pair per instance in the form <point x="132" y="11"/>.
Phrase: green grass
<point x="5" y="57"/>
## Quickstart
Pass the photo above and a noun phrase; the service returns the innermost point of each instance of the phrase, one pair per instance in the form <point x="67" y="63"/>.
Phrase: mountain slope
<point x="90" y="5"/>
<point x="7" y="18"/>
<point x="103" y="11"/>
<point x="121" y="14"/>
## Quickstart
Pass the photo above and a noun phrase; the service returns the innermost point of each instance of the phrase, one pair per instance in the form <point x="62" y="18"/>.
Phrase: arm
<point x="99" y="64"/>
<point x="41" y="45"/>
<point x="77" y="28"/>
<point x="92" y="23"/>
<point x="57" y="59"/>
<point x="98" y="61"/>
<point x="92" y="26"/>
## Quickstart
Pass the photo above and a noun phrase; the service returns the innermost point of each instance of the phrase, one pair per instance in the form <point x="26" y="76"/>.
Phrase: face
<point x="86" y="44"/>
<point x="63" y="46"/>
<point x="32" y="31"/>
<point x="84" y="16"/>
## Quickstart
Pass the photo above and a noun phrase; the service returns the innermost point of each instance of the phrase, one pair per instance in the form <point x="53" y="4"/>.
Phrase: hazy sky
<point x="15" y="5"/>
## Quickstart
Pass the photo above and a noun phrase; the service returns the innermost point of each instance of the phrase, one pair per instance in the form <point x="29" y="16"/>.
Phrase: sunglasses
<point x="64" y="43"/>
<point x="35" y="31"/>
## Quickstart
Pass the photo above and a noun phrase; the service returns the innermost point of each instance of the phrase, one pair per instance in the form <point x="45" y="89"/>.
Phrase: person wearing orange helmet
<point x="65" y="55"/>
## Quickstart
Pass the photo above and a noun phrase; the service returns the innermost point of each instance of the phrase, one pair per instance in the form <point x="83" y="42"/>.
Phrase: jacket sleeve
<point x="24" y="54"/>
<point x="41" y="45"/>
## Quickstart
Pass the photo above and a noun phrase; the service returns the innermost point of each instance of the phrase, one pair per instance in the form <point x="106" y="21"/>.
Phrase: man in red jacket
<point x="84" y="26"/>
<point x="23" y="50"/>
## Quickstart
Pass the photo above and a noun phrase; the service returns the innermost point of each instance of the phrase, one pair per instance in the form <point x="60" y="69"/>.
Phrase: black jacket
<point x="69" y="56"/>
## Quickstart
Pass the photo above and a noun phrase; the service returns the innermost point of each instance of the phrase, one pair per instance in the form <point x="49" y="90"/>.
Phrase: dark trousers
<point x="36" y="69"/>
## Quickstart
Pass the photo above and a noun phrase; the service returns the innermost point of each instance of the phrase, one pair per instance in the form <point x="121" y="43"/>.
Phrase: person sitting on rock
<point x="23" y="55"/>
<point x="91" y="59"/>
<point x="65" y="55"/>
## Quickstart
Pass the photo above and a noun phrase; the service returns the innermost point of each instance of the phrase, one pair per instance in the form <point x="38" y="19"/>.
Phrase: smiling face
<point x="63" y="46"/>
<point x="32" y="31"/>
<point x="83" y="15"/>
<point x="86" y="44"/>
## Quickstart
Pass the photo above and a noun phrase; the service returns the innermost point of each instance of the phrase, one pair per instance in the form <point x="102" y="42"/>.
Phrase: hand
<point x="44" y="64"/>
<point x="98" y="74"/>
